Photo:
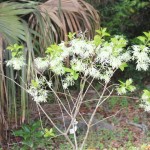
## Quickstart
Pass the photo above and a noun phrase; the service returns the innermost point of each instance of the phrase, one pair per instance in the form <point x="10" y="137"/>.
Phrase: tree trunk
<point x="2" y="98"/>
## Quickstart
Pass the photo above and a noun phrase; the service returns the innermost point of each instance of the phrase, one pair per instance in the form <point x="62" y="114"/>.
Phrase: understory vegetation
<point x="74" y="75"/>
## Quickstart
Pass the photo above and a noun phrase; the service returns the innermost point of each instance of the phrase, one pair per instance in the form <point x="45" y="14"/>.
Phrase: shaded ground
<point x="127" y="125"/>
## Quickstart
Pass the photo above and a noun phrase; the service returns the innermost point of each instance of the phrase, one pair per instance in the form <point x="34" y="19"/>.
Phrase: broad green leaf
<point x="123" y="66"/>
<point x="142" y="39"/>
<point x="146" y="92"/>
<point x="14" y="47"/>
<point x="147" y="34"/>
<point x="38" y="134"/>
<point x="128" y="82"/>
<point x="131" y="88"/>
<point x="37" y="124"/>
<point x="75" y="76"/>
<point x="102" y="32"/>
<point x="99" y="31"/>
<point x="26" y="128"/>
<point x="68" y="70"/>
<point x="54" y="50"/>
<point x="97" y="40"/>
<point x="18" y="133"/>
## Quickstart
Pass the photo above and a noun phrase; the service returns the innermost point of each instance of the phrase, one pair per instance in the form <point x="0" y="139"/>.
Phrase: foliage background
<point x="128" y="18"/>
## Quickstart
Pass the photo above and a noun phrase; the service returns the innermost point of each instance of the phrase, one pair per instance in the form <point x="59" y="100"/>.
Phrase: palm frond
<point x="63" y="16"/>
<point x="10" y="23"/>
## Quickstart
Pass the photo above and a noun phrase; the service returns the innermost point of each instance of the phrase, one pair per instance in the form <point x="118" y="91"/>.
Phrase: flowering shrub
<point x="98" y="59"/>
<point x="82" y="58"/>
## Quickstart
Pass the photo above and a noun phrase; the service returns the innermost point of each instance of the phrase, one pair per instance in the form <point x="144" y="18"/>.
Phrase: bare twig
<point x="107" y="117"/>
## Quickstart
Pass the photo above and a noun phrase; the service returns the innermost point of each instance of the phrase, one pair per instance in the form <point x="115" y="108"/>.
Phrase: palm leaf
<point x="12" y="30"/>
<point x="10" y="23"/>
<point x="63" y="16"/>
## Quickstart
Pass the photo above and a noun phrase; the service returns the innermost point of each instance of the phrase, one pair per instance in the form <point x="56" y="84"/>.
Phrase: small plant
<point x="136" y="119"/>
<point x="113" y="102"/>
<point x="124" y="102"/>
<point x="33" y="136"/>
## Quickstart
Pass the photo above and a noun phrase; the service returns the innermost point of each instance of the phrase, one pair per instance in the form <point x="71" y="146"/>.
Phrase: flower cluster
<point x="87" y="58"/>
<point x="16" y="63"/>
<point x="41" y="64"/>
<point x="37" y="89"/>
<point x="141" y="55"/>
<point x="68" y="81"/>
<point x="146" y="100"/>
<point x="98" y="58"/>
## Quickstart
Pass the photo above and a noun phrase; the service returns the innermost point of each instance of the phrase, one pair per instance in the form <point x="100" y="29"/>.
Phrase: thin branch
<point x="50" y="119"/>
<point x="107" y="117"/>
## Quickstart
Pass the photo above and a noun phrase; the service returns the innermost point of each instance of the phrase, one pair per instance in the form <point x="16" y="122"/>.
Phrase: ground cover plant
<point x="85" y="61"/>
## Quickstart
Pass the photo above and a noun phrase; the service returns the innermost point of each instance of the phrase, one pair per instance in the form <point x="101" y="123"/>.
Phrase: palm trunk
<point x="2" y="97"/>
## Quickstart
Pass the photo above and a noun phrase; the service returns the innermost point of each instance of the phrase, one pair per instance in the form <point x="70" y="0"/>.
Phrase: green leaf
<point x="147" y="34"/>
<point x="75" y="76"/>
<point x="35" y="125"/>
<point x="72" y="72"/>
<point x="54" y="50"/>
<point x="49" y="133"/>
<point x="123" y="66"/>
<point x="68" y="70"/>
<point x="122" y="83"/>
<point x="97" y="40"/>
<point x="99" y="31"/>
<point x="34" y="83"/>
<point x="38" y="134"/>
<point x="146" y="92"/>
<point x="28" y="143"/>
<point x="71" y="35"/>
<point x="131" y="88"/>
<point x="18" y="133"/>
<point x="26" y="128"/>
<point x="142" y="39"/>
<point x="102" y="32"/>
<point x="17" y="50"/>
<point x="128" y="82"/>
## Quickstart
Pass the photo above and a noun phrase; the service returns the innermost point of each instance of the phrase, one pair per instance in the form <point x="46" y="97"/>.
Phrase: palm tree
<point x="12" y="30"/>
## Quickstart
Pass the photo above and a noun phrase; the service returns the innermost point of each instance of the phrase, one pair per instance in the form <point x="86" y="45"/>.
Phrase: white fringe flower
<point x="41" y="64"/>
<point x="37" y="90"/>
<point x="16" y="63"/>
<point x="145" y="100"/>
<point x="141" y="55"/>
